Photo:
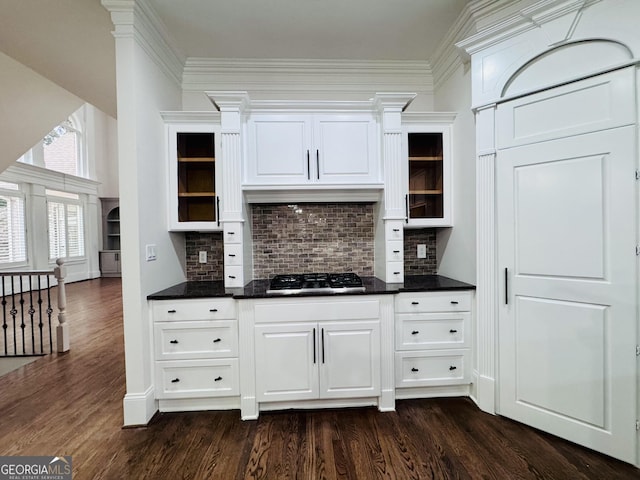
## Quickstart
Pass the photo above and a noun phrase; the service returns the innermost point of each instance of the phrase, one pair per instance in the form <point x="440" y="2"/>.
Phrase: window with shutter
<point x="13" y="244"/>
<point x="66" y="225"/>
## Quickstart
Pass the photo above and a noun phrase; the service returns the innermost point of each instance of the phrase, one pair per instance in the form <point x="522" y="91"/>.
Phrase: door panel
<point x="350" y="356"/>
<point x="567" y="319"/>
<point x="287" y="368"/>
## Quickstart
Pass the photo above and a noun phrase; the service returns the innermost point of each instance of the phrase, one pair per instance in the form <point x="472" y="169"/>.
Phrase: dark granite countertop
<point x="258" y="288"/>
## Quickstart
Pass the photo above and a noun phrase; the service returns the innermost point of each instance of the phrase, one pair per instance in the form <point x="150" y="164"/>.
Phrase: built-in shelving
<point x="196" y="177"/>
<point x="426" y="158"/>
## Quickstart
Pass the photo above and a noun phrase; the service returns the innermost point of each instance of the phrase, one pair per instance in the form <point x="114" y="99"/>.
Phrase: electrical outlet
<point x="202" y="257"/>
<point x="150" y="252"/>
<point x="422" y="251"/>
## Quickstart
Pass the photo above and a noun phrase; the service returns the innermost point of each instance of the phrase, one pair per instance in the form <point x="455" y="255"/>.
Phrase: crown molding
<point x="136" y="19"/>
<point x="527" y="19"/>
<point x="306" y="76"/>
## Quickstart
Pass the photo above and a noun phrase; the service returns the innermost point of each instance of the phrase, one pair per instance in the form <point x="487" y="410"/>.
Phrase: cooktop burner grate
<point x="316" y="282"/>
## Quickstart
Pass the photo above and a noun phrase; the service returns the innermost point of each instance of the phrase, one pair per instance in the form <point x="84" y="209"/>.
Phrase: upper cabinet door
<point x="345" y="149"/>
<point x="322" y="149"/>
<point x="279" y="150"/>
<point x="427" y="176"/>
<point x="193" y="201"/>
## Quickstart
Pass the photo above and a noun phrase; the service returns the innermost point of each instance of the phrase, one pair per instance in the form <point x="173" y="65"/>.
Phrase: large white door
<point x="567" y="315"/>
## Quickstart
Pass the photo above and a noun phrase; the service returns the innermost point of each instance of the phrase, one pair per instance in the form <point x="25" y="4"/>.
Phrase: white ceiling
<point x="312" y="29"/>
<point x="70" y="41"/>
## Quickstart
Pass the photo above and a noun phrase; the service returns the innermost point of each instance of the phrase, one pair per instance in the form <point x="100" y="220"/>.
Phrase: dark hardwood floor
<point x="71" y="404"/>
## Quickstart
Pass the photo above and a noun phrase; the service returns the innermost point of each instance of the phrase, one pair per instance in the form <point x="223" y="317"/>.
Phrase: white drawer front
<point x="233" y="255"/>
<point x="186" y="340"/>
<point x="395" y="251"/>
<point x="432" y="331"/>
<point x="232" y="233"/>
<point x="197" y="378"/>
<point x="317" y="310"/>
<point x="432" y="368"/>
<point x="445" y="301"/>
<point x="395" y="272"/>
<point x="394" y="230"/>
<point x="233" y="276"/>
<point x="198" y="309"/>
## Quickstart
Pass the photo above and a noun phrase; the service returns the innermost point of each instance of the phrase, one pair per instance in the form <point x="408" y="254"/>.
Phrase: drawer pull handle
<point x="453" y="302"/>
<point x="396" y="251"/>
<point x="232" y="254"/>
<point x="173" y="341"/>
<point x="452" y="367"/>
<point x="217" y="340"/>
<point x="415" y="303"/>
<point x="415" y="332"/>
<point x="217" y="379"/>
<point x="414" y="369"/>
<point x="453" y="331"/>
<point x="396" y="229"/>
<point x="396" y="273"/>
<point x="232" y="276"/>
<point x="213" y="310"/>
<point x="231" y="233"/>
<point x="171" y="311"/>
<point x="175" y="380"/>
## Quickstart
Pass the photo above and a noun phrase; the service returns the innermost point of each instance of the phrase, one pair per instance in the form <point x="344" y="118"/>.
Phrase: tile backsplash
<point x="310" y="237"/>
<point x="420" y="266"/>
<point x="210" y="243"/>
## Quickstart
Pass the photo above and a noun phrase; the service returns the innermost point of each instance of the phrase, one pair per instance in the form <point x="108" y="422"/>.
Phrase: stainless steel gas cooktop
<point x="289" y="284"/>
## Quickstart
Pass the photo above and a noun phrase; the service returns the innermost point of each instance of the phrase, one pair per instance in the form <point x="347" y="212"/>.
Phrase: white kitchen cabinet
<point x="432" y="340"/>
<point x="194" y="177"/>
<point x="196" y="353"/>
<point x="317" y="360"/>
<point x="427" y="173"/>
<point x="303" y="149"/>
<point x="110" y="263"/>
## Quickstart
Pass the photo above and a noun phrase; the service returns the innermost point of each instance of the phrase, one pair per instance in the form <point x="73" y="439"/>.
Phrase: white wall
<point x="102" y="142"/>
<point x="145" y="87"/>
<point x="34" y="106"/>
<point x="456" y="247"/>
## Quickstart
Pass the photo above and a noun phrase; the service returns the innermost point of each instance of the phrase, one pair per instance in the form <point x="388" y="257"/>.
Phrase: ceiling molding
<point x="529" y="18"/>
<point x="306" y="76"/>
<point x="138" y="20"/>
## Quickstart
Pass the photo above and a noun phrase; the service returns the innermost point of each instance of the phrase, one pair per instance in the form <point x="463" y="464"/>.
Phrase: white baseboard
<point x="139" y="408"/>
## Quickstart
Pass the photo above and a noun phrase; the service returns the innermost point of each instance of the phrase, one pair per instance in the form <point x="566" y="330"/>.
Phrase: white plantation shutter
<point x="13" y="243"/>
<point x="75" y="230"/>
<point x="66" y="228"/>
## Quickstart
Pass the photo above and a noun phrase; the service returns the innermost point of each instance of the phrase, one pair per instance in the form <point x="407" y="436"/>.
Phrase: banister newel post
<point x="62" y="329"/>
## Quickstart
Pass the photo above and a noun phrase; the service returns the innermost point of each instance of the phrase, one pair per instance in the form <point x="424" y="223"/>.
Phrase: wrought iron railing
<point x="26" y="312"/>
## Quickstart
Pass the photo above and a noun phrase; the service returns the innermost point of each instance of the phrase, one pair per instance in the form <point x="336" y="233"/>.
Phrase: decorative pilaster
<point x="487" y="278"/>
<point x="387" y="402"/>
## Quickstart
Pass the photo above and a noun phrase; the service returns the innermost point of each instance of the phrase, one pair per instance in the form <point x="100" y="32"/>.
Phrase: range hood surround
<point x="371" y="193"/>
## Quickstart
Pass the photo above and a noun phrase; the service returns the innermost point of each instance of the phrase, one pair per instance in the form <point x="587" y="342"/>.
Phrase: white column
<point x="231" y="106"/>
<point x="391" y="106"/>
<point x="487" y="278"/>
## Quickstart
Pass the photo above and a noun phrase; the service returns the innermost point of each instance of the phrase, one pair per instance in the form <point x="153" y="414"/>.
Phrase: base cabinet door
<point x="287" y="362"/>
<point x="307" y="361"/>
<point x="350" y="359"/>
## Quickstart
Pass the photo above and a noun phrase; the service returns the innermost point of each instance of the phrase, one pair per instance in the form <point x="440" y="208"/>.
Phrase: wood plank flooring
<point x="71" y="404"/>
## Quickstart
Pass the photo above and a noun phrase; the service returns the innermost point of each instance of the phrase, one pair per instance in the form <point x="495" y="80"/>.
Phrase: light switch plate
<point x="422" y="251"/>
<point x="150" y="252"/>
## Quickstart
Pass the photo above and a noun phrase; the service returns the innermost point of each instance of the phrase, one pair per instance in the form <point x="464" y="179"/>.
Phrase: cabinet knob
<point x="414" y="369"/>
<point x="452" y="367"/>
<point x="415" y="332"/>
<point x="171" y="311"/>
<point x="217" y="340"/>
<point x="175" y="380"/>
<point x="173" y="341"/>
<point x="217" y="379"/>
<point x="213" y="310"/>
